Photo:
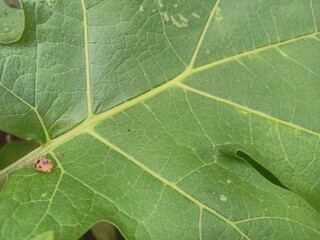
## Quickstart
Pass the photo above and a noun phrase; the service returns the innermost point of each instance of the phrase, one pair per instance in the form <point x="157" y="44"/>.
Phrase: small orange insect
<point x="44" y="165"/>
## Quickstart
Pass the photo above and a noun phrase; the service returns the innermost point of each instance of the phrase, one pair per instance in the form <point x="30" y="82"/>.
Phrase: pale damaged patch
<point x="218" y="15"/>
<point x="181" y="23"/>
<point x="243" y="112"/>
<point x="223" y="198"/>
<point x="183" y="19"/>
<point x="165" y="16"/>
<point x="160" y="4"/>
<point x="50" y="2"/>
<point x="195" y="15"/>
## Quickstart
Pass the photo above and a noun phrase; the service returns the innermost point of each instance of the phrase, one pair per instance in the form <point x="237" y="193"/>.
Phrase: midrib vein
<point x="89" y="122"/>
<point x="166" y="182"/>
<point x="96" y="119"/>
<point x="175" y="82"/>
<point x="87" y="58"/>
<point x="92" y="120"/>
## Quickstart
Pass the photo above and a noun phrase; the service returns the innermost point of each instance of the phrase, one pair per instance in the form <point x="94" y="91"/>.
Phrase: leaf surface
<point x="150" y="111"/>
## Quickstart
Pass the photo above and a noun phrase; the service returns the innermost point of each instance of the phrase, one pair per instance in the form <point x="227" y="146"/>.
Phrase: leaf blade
<point x="161" y="148"/>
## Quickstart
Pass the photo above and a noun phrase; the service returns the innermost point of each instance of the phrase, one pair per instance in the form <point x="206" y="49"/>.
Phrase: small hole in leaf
<point x="262" y="170"/>
<point x="102" y="231"/>
<point x="13" y="3"/>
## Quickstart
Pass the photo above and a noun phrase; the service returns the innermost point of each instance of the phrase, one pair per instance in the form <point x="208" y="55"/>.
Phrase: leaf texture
<point x="149" y="104"/>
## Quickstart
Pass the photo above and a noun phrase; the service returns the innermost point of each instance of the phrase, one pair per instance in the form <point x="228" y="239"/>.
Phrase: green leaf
<point x="49" y="235"/>
<point x="11" y="21"/>
<point x="171" y="120"/>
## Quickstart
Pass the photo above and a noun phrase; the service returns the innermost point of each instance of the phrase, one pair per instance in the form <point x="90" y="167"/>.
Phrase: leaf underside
<point x="144" y="107"/>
